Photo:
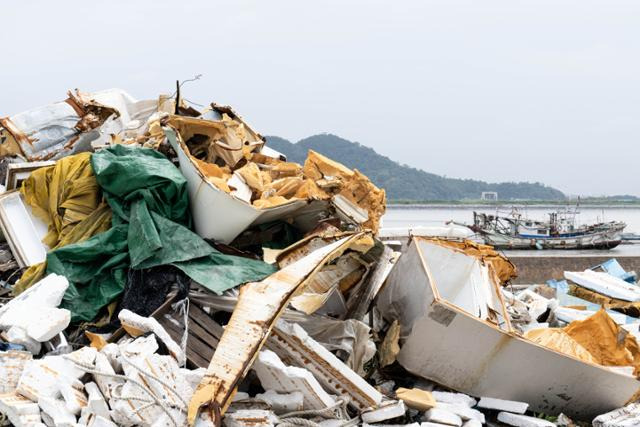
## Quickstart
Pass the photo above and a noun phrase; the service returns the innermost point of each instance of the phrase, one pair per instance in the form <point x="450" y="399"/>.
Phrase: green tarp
<point x="150" y="227"/>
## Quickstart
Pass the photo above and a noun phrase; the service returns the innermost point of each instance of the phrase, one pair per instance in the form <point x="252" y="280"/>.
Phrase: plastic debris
<point x="204" y="280"/>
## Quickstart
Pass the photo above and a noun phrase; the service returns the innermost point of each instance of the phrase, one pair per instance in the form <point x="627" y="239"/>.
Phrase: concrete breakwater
<point x="539" y="269"/>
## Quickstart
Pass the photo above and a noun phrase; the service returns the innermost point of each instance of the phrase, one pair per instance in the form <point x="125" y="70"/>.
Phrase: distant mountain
<point x="403" y="182"/>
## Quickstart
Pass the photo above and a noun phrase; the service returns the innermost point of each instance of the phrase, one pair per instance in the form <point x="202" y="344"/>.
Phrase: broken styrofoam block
<point x="334" y="423"/>
<point x="35" y="310"/>
<point x="442" y="416"/>
<point x="19" y="410"/>
<point x="99" y="421"/>
<point x="112" y="352"/>
<point x="205" y="419"/>
<point x="47" y="322"/>
<point x="454" y="398"/>
<point x="42" y="378"/>
<point x="281" y="403"/>
<point x="523" y="420"/>
<point x="274" y="375"/>
<point x="294" y="345"/>
<point x="193" y="376"/>
<point x="430" y="424"/>
<point x="56" y="409"/>
<point x="472" y="423"/>
<point x="416" y="398"/>
<point x="463" y="411"/>
<point x="161" y="378"/>
<point x="142" y="346"/>
<point x="73" y="395"/>
<point x="503" y="405"/>
<point x="105" y="383"/>
<point x="11" y="366"/>
<point x="250" y="418"/>
<point x="136" y="325"/>
<point x="48" y="292"/>
<point x="386" y="411"/>
<point x="96" y="402"/>
<point x="626" y="416"/>
<point x="341" y="422"/>
<point x="47" y="420"/>
<point x="18" y="335"/>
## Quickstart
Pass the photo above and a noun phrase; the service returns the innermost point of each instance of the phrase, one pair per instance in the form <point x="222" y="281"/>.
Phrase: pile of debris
<point x="164" y="267"/>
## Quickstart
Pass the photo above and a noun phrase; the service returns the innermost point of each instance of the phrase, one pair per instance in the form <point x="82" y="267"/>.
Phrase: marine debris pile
<point x="162" y="266"/>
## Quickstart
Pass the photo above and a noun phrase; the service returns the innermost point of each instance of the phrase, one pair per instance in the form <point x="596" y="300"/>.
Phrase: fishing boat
<point x="516" y="231"/>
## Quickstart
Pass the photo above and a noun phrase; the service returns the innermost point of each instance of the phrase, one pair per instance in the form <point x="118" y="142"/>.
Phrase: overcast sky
<point x="508" y="90"/>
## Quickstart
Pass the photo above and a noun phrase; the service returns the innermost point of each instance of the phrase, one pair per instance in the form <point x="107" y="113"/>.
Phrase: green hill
<point x="403" y="182"/>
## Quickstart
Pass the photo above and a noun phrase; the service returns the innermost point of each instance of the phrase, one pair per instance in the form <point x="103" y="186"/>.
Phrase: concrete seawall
<point x="540" y="266"/>
<point x="539" y="269"/>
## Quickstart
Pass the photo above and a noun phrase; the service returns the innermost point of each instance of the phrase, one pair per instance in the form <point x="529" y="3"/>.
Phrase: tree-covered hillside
<point x="404" y="182"/>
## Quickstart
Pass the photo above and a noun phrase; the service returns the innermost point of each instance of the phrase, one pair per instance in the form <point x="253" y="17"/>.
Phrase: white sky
<point x="507" y="90"/>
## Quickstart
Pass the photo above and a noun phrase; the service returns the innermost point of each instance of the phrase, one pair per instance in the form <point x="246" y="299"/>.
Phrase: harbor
<point x="534" y="266"/>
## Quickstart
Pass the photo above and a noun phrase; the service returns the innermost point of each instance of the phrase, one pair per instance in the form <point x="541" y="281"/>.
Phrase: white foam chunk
<point x="99" y="421"/>
<point x="56" y="409"/>
<point x="96" y="402"/>
<point x="341" y="422"/>
<point x="293" y="344"/>
<point x="11" y="366"/>
<point x="523" y="420"/>
<point x="282" y="403"/>
<point x="626" y="416"/>
<point x="47" y="322"/>
<point x="48" y="292"/>
<point x="73" y="395"/>
<point x="112" y="352"/>
<point x="193" y="376"/>
<point x="454" y="398"/>
<point x="160" y="376"/>
<point x="274" y="375"/>
<point x="42" y="378"/>
<point x="18" y="335"/>
<point x="503" y="405"/>
<point x="19" y="410"/>
<point x="105" y="383"/>
<point x="149" y="324"/>
<point x="250" y="418"/>
<point x="386" y="411"/>
<point x="35" y="310"/>
<point x="463" y="411"/>
<point x="442" y="416"/>
<point x="472" y="423"/>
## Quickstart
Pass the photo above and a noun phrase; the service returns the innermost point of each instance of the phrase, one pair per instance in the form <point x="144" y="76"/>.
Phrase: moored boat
<point x="514" y="231"/>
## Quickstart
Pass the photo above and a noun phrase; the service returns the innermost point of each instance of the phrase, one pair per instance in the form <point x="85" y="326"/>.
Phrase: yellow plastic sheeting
<point x="500" y="264"/>
<point x="557" y="339"/>
<point x="68" y="199"/>
<point x="608" y="343"/>
<point x="63" y="195"/>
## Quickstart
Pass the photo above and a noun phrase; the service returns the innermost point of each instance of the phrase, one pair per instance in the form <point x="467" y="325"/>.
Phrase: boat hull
<point x="599" y="240"/>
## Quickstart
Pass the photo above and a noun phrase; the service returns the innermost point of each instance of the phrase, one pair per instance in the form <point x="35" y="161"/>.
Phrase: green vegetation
<point x="404" y="183"/>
